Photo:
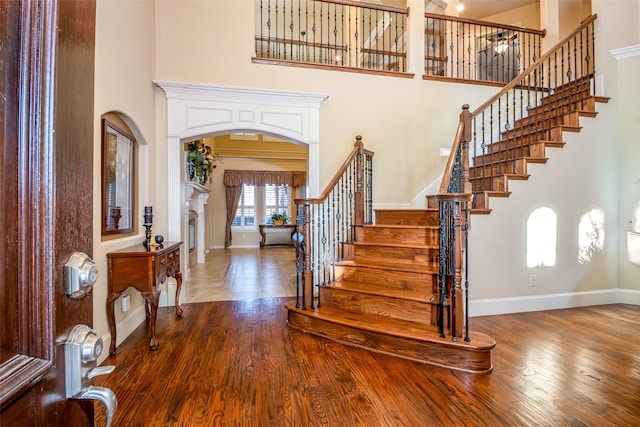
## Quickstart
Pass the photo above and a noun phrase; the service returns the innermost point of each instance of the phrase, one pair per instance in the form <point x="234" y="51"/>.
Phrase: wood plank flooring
<point x="236" y="363"/>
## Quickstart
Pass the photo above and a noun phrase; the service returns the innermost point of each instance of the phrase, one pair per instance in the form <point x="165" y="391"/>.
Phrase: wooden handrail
<point x="463" y="134"/>
<point x="516" y="81"/>
<point x="486" y="24"/>
<point x="363" y="5"/>
<point x="358" y="148"/>
<point x="448" y="170"/>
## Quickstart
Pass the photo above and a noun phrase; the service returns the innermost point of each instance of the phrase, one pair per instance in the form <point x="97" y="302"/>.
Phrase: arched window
<point x="590" y="234"/>
<point x="542" y="228"/>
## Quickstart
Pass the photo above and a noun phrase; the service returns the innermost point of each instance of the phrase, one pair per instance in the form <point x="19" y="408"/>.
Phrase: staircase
<point x="383" y="298"/>
<point x="396" y="286"/>
<point x="528" y="141"/>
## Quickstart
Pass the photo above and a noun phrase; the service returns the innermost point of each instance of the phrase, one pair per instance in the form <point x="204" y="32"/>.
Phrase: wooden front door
<point x="46" y="184"/>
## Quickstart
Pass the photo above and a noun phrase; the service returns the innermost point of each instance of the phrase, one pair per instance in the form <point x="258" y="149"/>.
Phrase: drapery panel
<point x="233" y="198"/>
<point x="234" y="180"/>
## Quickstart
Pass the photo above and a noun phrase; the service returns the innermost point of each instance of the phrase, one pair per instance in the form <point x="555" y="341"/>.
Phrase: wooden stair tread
<point x="479" y="211"/>
<point x="395" y="245"/>
<point x="553" y="144"/>
<point x="512" y="176"/>
<point x="540" y="160"/>
<point x="381" y="290"/>
<point x="395" y="327"/>
<point x="397" y="265"/>
<point x="522" y="132"/>
<point x="493" y="193"/>
<point x="587" y="113"/>
<point x="401" y="226"/>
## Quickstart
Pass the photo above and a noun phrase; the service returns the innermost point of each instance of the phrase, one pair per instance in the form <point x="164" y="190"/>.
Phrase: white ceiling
<point x="478" y="9"/>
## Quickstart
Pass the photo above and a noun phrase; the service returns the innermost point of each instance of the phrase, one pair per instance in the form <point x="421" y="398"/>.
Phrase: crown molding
<point x="626" y="52"/>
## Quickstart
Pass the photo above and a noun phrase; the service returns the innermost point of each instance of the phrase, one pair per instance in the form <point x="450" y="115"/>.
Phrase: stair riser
<point x="572" y="96"/>
<point x="382" y="306"/>
<point x="392" y="278"/>
<point x="436" y="352"/>
<point x="552" y="118"/>
<point x="499" y="167"/>
<point x="526" y="136"/>
<point x="386" y="253"/>
<point x="496" y="183"/>
<point x="406" y="217"/>
<point x="422" y="236"/>
<point x="532" y="155"/>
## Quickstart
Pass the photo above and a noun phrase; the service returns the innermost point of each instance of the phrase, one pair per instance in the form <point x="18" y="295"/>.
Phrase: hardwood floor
<point x="236" y="363"/>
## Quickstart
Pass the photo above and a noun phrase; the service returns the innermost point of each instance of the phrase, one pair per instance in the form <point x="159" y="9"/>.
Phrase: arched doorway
<point x="195" y="110"/>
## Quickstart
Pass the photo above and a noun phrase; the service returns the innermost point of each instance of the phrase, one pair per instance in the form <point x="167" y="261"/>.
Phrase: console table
<point x="263" y="242"/>
<point x="144" y="269"/>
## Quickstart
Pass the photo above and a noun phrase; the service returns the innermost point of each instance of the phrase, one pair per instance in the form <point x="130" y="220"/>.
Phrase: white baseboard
<point x="629" y="296"/>
<point x="489" y="307"/>
<point x="125" y="327"/>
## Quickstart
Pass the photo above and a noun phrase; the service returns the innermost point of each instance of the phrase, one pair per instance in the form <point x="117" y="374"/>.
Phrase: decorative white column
<point x="197" y="196"/>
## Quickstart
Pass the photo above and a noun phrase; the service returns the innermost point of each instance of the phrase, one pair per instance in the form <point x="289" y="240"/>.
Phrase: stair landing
<point x="409" y="340"/>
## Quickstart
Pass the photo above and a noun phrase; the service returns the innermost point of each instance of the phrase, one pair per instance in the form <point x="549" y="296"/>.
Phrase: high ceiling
<point x="477" y="9"/>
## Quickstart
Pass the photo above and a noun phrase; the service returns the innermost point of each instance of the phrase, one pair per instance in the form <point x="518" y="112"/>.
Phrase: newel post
<point x="359" y="196"/>
<point x="465" y="118"/>
<point x="307" y="287"/>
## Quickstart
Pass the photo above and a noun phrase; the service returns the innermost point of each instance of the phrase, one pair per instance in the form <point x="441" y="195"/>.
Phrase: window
<point x="276" y="200"/>
<point x="246" y="212"/>
<point x="541" y="238"/>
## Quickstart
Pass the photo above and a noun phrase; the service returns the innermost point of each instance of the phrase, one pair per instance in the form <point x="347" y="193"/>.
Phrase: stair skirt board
<point x="473" y="357"/>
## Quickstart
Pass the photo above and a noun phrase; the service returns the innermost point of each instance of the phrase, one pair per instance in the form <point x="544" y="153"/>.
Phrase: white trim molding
<point x="196" y="110"/>
<point x="626" y="52"/>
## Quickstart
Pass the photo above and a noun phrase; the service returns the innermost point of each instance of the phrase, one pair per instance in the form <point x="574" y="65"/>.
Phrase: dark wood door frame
<point x="46" y="174"/>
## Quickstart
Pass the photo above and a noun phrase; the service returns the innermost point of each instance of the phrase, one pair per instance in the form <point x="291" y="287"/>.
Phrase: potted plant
<point x="200" y="162"/>
<point x="279" y="218"/>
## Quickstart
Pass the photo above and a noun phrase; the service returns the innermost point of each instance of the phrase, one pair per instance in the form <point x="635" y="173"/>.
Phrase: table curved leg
<point x="178" y="277"/>
<point x="152" y="299"/>
<point x="112" y="322"/>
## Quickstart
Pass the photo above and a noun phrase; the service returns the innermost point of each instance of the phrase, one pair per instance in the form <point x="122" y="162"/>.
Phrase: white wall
<point x="403" y="120"/>
<point x="212" y="42"/>
<point x="629" y="159"/>
<point x="123" y="74"/>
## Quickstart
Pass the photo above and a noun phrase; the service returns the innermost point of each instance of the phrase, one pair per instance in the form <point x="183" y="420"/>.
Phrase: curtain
<point x="234" y="180"/>
<point x="240" y="177"/>
<point x="233" y="198"/>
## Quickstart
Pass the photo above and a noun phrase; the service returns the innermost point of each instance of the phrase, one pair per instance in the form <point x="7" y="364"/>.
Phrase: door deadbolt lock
<point x="80" y="274"/>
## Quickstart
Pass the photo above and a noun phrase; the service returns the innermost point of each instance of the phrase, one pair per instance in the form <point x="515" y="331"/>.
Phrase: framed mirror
<point x="118" y="179"/>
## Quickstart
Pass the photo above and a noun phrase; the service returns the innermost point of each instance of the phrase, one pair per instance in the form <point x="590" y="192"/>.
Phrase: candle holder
<point x="148" y="223"/>
<point x="147" y="235"/>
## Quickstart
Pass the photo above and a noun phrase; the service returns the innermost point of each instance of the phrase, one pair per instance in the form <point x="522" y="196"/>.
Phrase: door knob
<point x="81" y="351"/>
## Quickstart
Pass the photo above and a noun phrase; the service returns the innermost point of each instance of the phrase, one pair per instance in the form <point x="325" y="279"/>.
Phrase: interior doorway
<point x="197" y="110"/>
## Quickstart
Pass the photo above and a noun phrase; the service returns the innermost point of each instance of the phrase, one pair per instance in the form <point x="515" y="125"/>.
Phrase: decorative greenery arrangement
<point x="277" y="218"/>
<point x="200" y="161"/>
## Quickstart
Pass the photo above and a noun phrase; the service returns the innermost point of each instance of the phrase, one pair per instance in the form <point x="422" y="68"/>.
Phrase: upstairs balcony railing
<point x="335" y="33"/>
<point x="350" y="35"/>
<point x="465" y="49"/>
